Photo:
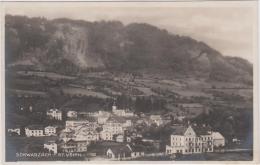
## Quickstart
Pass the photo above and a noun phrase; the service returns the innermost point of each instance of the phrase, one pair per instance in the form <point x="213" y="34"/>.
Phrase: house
<point x="50" y="130"/>
<point x="157" y="119"/>
<point x="106" y="135"/>
<point x="218" y="139"/>
<point x="72" y="114"/>
<point x="14" y="131"/>
<point x="69" y="146"/>
<point x="86" y="134"/>
<point x="54" y="114"/>
<point x="120" y="138"/>
<point x="66" y="135"/>
<point x="118" y="152"/>
<point x="72" y="124"/>
<point x="73" y="146"/>
<point x="34" y="130"/>
<point x="51" y="146"/>
<point x="189" y="140"/>
<point x="121" y="112"/>
<point x="114" y="125"/>
<point x="102" y="117"/>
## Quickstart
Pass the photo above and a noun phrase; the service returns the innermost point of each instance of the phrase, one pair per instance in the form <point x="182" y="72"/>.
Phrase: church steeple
<point x="114" y="105"/>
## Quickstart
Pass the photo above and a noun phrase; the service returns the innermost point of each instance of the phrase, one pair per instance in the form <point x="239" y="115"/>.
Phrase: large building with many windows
<point x="34" y="130"/>
<point x="54" y="114"/>
<point x="191" y="139"/>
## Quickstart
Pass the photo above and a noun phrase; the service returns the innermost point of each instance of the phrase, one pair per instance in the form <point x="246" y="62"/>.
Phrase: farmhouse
<point x="54" y="114"/>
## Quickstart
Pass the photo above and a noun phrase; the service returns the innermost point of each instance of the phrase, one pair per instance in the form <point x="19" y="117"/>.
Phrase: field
<point x="83" y="92"/>
<point x="50" y="75"/>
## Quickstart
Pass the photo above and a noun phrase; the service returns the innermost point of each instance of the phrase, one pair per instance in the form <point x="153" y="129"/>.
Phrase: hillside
<point x="69" y="46"/>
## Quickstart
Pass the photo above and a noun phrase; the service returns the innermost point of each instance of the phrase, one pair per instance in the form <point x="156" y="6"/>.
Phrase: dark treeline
<point x="141" y="104"/>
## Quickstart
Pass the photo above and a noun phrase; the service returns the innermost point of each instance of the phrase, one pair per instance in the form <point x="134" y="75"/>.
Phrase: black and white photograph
<point x="129" y="81"/>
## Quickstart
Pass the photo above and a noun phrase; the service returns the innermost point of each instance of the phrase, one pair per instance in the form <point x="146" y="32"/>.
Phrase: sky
<point x="229" y="27"/>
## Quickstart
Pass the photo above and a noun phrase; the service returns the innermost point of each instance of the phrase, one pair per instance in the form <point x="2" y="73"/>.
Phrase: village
<point x="117" y="135"/>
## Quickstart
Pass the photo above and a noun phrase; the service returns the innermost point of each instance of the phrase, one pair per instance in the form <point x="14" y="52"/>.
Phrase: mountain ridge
<point x="66" y="45"/>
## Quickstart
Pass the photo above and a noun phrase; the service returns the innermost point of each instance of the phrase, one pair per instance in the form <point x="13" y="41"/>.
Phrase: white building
<point x="54" y="114"/>
<point x="51" y="146"/>
<point x="190" y="140"/>
<point x="14" y="130"/>
<point x="86" y="135"/>
<point x="121" y="112"/>
<point x="120" y="138"/>
<point x="218" y="139"/>
<point x="105" y="135"/>
<point x="113" y="126"/>
<point x="34" y="130"/>
<point x="102" y="117"/>
<point x="72" y="114"/>
<point x="50" y="130"/>
<point x="157" y="119"/>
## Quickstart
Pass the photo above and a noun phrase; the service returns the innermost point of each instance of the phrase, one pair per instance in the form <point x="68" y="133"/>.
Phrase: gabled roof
<point x="201" y="130"/>
<point x="116" y="119"/>
<point x="137" y="148"/>
<point x="35" y="127"/>
<point x="117" y="149"/>
<point x="217" y="135"/>
<point x="54" y="109"/>
<point x="179" y="130"/>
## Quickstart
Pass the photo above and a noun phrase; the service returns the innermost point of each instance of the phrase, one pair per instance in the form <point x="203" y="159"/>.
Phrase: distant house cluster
<point x="116" y="130"/>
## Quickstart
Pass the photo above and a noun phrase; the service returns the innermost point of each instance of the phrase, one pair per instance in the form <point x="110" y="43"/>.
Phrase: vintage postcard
<point x="130" y="81"/>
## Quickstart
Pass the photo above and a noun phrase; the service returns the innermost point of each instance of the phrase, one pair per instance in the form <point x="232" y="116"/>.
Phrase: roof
<point x="50" y="126"/>
<point x="137" y="148"/>
<point x="50" y="142"/>
<point x="116" y="119"/>
<point x="54" y="109"/>
<point x="117" y="149"/>
<point x="201" y="130"/>
<point x="179" y="130"/>
<point x="35" y="127"/>
<point x="217" y="135"/>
